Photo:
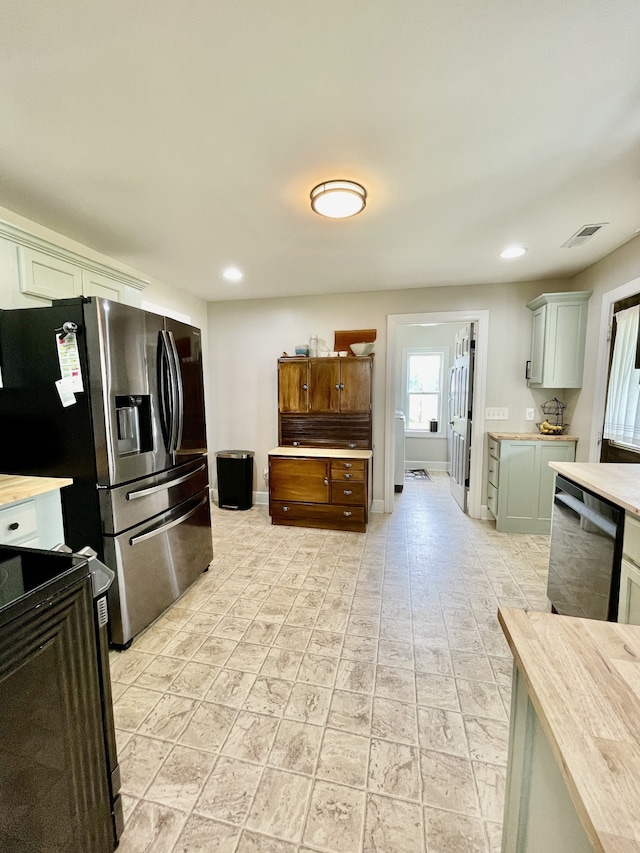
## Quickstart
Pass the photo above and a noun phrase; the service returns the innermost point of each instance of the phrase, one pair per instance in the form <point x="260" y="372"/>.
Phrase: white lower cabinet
<point x="33" y="523"/>
<point x="629" y="601"/>
<point x="520" y="482"/>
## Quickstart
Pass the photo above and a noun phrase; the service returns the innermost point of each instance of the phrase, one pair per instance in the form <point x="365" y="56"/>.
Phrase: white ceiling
<point x="183" y="137"/>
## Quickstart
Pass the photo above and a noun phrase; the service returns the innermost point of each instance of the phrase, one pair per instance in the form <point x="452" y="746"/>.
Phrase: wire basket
<point x="553" y="423"/>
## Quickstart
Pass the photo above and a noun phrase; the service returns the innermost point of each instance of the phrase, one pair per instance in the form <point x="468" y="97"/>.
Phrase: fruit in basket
<point x="550" y="429"/>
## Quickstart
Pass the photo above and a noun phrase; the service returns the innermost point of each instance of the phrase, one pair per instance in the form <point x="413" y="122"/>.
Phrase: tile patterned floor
<point x="330" y="692"/>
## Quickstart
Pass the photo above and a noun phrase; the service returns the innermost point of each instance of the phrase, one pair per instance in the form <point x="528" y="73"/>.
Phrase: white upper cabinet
<point x="94" y="284"/>
<point x="47" y="276"/>
<point x="558" y="331"/>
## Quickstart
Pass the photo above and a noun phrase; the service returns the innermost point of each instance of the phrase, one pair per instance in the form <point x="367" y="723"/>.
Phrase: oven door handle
<point x="164" y="527"/>
<point x="142" y="493"/>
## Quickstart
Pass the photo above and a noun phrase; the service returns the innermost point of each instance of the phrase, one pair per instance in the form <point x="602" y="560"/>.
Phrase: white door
<point x="461" y="413"/>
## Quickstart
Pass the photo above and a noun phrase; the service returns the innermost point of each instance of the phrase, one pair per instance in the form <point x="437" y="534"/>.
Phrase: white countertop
<point x="619" y="482"/>
<point x="322" y="452"/>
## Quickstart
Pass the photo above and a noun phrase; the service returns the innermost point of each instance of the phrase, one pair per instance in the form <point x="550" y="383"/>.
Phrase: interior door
<point x="461" y="413"/>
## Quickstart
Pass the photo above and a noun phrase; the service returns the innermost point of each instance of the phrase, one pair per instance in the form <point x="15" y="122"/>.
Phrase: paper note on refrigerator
<point x="65" y="392"/>
<point x="69" y="359"/>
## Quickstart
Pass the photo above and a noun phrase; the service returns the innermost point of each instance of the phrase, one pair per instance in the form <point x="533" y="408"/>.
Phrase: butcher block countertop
<point x="529" y="436"/>
<point x="583" y="680"/>
<point x="619" y="482"/>
<point x="14" y="487"/>
<point x="322" y="452"/>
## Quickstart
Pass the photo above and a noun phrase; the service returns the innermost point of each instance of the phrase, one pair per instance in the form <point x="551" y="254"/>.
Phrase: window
<point x="622" y="415"/>
<point x="423" y="388"/>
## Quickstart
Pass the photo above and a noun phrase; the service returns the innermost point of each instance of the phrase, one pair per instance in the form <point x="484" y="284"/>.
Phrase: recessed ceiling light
<point x="232" y="274"/>
<point x="513" y="252"/>
<point x="338" y="199"/>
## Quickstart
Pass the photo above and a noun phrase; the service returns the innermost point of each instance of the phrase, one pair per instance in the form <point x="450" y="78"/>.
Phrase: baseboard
<point x="416" y="464"/>
<point x="259" y="498"/>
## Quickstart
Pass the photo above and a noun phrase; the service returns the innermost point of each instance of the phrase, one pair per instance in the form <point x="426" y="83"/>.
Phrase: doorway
<point x="394" y="321"/>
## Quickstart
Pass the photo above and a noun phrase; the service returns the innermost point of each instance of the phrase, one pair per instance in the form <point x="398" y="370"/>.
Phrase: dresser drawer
<point x="347" y="469"/>
<point x="494" y="448"/>
<point x="318" y="515"/>
<point x="347" y="493"/>
<point x="493" y="470"/>
<point x="18" y="522"/>
<point x="492" y="499"/>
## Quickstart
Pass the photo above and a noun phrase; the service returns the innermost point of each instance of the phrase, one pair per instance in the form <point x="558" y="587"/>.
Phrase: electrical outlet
<point x="529" y="414"/>
<point x="495" y="413"/>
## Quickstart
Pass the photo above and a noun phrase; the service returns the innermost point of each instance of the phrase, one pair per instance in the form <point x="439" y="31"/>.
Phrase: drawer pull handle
<point x="346" y="513"/>
<point x="347" y="464"/>
<point x="348" y="492"/>
<point x="347" y="476"/>
<point x="296" y="443"/>
<point x="14" y="525"/>
<point x="352" y="444"/>
<point x="285" y="509"/>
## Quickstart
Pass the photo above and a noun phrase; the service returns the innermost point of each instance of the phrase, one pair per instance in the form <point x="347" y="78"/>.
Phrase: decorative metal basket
<point x="553" y="423"/>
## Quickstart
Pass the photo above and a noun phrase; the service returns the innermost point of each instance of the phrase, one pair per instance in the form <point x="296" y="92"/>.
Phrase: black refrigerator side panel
<point x="188" y="341"/>
<point x="39" y="435"/>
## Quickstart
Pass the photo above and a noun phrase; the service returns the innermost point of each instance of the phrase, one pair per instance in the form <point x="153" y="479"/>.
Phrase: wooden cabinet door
<point x="297" y="479"/>
<point x="355" y="385"/>
<point x="324" y="385"/>
<point x="293" y="386"/>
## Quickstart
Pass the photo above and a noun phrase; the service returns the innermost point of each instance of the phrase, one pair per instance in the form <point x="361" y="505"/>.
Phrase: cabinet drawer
<point x="317" y="515"/>
<point x="493" y="471"/>
<point x="347" y="493"/>
<point x="631" y="541"/>
<point x="492" y="499"/>
<point x="18" y="522"/>
<point x="347" y="469"/>
<point x="494" y="448"/>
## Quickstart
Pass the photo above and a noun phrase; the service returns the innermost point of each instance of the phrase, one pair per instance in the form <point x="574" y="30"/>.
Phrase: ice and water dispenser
<point x="133" y="420"/>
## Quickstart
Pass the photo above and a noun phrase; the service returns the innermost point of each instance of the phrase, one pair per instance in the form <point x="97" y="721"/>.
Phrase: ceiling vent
<point x="584" y="234"/>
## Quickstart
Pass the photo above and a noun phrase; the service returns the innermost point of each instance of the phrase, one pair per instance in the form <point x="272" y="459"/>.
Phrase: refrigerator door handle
<point x="169" y="391"/>
<point x="156" y="531"/>
<point x="142" y="493"/>
<point x="178" y="403"/>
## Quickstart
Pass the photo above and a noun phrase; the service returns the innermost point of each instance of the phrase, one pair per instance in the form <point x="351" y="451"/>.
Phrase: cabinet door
<point x="629" y="602"/>
<point x="293" y="479"/>
<point x="564" y="345"/>
<point x="293" y="386"/>
<point x="94" y="284"/>
<point x="355" y="385"/>
<point x="324" y="385"/>
<point x="518" y="490"/>
<point x="46" y="276"/>
<point x="537" y="345"/>
<point x="551" y="451"/>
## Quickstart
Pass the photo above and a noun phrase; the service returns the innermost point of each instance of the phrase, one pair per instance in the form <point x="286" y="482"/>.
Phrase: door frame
<point x="604" y="346"/>
<point x="481" y="318"/>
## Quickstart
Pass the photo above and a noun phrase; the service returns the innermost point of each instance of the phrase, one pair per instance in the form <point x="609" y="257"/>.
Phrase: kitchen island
<point x="573" y="778"/>
<point x="30" y="510"/>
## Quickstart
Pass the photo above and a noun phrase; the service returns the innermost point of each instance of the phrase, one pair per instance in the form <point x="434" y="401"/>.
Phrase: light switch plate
<point x="496" y="414"/>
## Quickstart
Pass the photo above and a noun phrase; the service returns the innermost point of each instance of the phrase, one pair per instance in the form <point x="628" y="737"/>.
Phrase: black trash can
<point x="235" y="479"/>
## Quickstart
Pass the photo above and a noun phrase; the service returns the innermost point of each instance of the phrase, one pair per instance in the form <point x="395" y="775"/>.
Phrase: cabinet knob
<point x="341" y="385"/>
<point x="346" y="513"/>
<point x="347" y="476"/>
<point x="296" y="443"/>
<point x="326" y="481"/>
<point x="305" y="387"/>
<point x="348" y="492"/>
<point x="337" y="387"/>
<point x="347" y="464"/>
<point x="285" y="509"/>
<point x="14" y="525"/>
<point x="352" y="444"/>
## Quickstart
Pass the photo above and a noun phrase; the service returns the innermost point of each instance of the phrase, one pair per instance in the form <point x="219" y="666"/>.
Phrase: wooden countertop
<point x="529" y="436"/>
<point x="324" y="452"/>
<point x="14" y="487"/>
<point x="583" y="679"/>
<point x="619" y="482"/>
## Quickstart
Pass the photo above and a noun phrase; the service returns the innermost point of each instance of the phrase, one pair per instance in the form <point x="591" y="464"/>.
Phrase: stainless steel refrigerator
<point x="113" y="397"/>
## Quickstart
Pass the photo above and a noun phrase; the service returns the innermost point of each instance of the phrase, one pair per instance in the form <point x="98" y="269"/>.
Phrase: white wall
<point x="426" y="451"/>
<point x="247" y="337"/>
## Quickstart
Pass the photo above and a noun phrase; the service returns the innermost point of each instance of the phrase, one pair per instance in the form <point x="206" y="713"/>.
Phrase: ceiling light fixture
<point x="232" y="274"/>
<point x="513" y="252"/>
<point x="338" y="199"/>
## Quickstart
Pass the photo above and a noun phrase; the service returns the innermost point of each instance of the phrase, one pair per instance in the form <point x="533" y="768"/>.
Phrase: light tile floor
<point x="326" y="691"/>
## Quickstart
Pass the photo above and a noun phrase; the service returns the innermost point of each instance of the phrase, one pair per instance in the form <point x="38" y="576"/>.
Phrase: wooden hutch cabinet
<point x="320" y="474"/>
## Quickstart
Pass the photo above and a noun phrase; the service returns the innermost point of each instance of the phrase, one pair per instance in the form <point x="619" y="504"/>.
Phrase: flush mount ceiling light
<point x="513" y="252"/>
<point x="338" y="199"/>
<point x="232" y="274"/>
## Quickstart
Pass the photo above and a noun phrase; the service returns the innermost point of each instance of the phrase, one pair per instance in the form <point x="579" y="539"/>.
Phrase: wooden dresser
<point x="313" y="487"/>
